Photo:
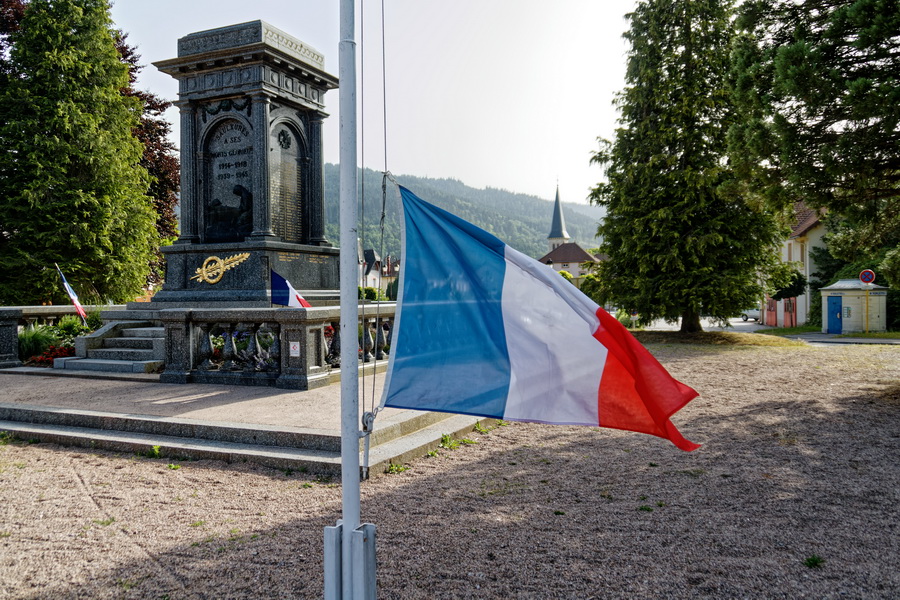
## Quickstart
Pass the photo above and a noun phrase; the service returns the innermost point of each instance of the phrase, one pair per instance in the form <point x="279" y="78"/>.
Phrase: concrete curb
<point x="396" y="440"/>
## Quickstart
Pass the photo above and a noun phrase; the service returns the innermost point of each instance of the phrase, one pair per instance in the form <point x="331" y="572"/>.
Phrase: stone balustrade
<point x="48" y="315"/>
<point x="280" y="347"/>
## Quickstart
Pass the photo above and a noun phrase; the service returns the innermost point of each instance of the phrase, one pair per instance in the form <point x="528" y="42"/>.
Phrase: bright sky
<point x="507" y="94"/>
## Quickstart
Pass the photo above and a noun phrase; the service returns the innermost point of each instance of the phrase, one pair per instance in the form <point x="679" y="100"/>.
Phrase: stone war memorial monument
<point x="251" y="99"/>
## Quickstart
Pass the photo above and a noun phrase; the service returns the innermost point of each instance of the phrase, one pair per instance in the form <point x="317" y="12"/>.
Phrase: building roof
<point x="805" y="218"/>
<point x="558" y="226"/>
<point x="853" y="284"/>
<point x="568" y="253"/>
<point x="372" y="259"/>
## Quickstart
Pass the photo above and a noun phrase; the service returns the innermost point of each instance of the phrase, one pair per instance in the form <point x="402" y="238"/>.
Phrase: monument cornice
<point x="244" y="44"/>
<point x="250" y="32"/>
<point x="182" y="67"/>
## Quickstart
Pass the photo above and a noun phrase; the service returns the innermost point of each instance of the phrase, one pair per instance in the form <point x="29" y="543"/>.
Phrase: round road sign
<point x="867" y="276"/>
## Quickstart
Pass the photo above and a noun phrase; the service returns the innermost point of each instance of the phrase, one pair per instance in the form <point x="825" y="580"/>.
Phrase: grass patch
<point x="394" y="469"/>
<point x="448" y="443"/>
<point x="712" y="338"/>
<point x="485" y="429"/>
<point x="790" y="330"/>
<point x="153" y="452"/>
<point x="814" y="562"/>
<point x="875" y="335"/>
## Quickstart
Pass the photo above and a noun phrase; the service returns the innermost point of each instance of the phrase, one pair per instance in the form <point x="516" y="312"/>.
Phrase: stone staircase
<point x="398" y="439"/>
<point x="119" y="347"/>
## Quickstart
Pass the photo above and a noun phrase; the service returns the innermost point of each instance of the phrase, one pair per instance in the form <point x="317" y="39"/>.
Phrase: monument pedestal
<point x="237" y="275"/>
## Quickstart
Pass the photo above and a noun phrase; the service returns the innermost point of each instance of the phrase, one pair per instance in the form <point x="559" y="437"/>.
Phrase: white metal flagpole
<point x="349" y="547"/>
<point x="348" y="267"/>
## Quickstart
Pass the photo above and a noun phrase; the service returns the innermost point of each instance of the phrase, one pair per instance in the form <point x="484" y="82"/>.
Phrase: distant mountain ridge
<point x="520" y="220"/>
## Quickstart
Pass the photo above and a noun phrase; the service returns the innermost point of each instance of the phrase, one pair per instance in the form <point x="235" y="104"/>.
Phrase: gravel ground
<point x="794" y="494"/>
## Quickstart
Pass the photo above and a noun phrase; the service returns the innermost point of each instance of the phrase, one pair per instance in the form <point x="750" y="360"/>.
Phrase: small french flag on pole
<point x="78" y="308"/>
<point x="482" y="329"/>
<point x="284" y="293"/>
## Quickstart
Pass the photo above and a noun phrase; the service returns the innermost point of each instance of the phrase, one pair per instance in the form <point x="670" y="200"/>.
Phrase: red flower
<point x="52" y="352"/>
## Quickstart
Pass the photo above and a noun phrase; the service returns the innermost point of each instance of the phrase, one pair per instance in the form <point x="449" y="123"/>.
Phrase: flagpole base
<point x="362" y="563"/>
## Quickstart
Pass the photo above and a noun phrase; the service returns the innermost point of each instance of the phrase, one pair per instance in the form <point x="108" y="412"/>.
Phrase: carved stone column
<point x="190" y="197"/>
<point x="306" y="369"/>
<point x="262" y="214"/>
<point x="9" y="337"/>
<point x="316" y="183"/>
<point x="180" y="346"/>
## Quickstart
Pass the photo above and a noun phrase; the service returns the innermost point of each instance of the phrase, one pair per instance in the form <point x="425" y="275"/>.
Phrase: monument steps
<point x="407" y="435"/>
<point x="177" y="448"/>
<point x="134" y="343"/>
<point x="135" y="347"/>
<point x="108" y="365"/>
<point x="124" y="354"/>
<point x="144" y="332"/>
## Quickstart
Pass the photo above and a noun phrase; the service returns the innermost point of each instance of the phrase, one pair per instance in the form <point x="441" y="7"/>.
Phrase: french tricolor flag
<point x="284" y="293"/>
<point x="482" y="329"/>
<point x="72" y="295"/>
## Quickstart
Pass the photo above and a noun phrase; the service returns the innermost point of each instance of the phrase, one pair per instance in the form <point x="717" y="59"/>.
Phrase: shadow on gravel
<point x="890" y="396"/>
<point x="536" y="511"/>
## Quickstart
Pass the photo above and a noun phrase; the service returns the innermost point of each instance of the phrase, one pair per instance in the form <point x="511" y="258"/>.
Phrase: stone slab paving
<point x="136" y="413"/>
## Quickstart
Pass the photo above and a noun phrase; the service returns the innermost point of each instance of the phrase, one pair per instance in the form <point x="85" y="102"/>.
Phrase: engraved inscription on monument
<point x="228" y="193"/>
<point x="284" y="191"/>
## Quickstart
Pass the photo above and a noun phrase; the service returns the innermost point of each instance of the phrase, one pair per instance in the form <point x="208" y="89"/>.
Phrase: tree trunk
<point x="690" y="322"/>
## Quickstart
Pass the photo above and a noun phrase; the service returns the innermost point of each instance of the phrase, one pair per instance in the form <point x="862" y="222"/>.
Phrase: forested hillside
<point x="520" y="220"/>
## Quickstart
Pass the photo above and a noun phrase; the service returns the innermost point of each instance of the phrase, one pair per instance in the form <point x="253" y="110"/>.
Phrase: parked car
<point x="750" y="313"/>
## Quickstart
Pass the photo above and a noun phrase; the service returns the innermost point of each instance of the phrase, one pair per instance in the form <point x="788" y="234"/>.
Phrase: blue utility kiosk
<point x="851" y="306"/>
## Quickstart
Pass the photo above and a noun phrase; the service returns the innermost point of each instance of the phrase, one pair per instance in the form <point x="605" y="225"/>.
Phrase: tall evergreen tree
<point x="681" y="242"/>
<point x="818" y="87"/>
<point x="72" y="190"/>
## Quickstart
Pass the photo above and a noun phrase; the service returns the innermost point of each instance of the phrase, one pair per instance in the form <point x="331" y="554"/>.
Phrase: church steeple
<point x="558" y="234"/>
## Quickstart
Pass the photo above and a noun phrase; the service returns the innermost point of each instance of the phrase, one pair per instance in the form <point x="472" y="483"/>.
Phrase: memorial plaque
<point x="285" y="184"/>
<point x="229" y="197"/>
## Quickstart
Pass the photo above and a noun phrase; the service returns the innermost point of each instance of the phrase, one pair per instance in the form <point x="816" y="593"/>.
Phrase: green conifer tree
<point x="72" y="190"/>
<point x="681" y="241"/>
